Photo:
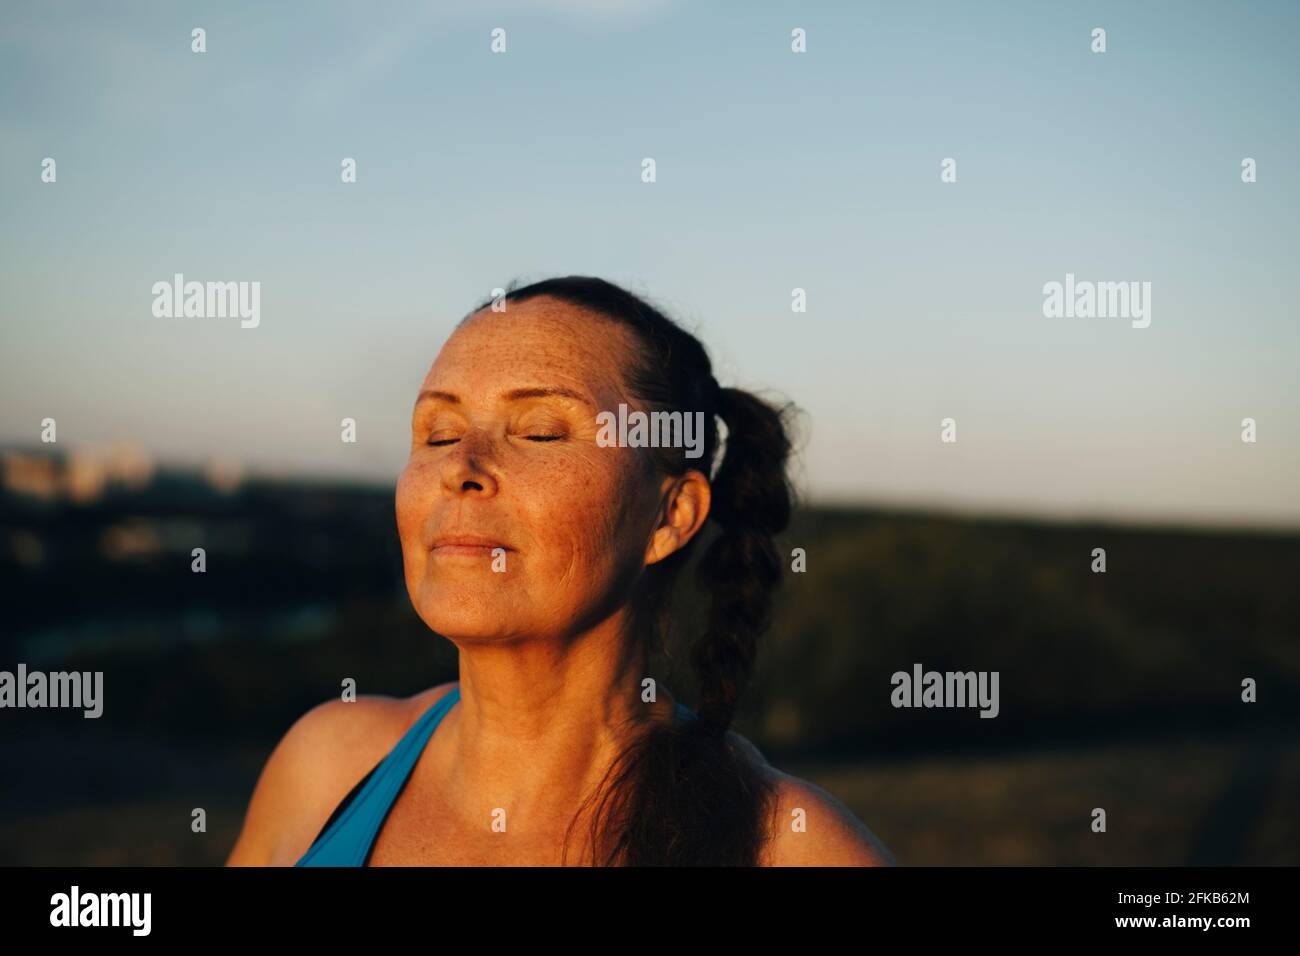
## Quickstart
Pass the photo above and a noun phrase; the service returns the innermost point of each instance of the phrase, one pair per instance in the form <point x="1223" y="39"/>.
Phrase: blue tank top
<point x="349" y="834"/>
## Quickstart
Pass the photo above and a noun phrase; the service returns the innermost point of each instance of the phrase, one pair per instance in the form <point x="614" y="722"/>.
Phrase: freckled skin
<point x="580" y="517"/>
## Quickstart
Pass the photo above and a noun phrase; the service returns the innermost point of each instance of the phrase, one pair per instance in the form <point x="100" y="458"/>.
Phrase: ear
<point x="686" y="500"/>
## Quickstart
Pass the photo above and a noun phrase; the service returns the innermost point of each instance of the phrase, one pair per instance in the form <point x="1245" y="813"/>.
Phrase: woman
<point x="546" y="552"/>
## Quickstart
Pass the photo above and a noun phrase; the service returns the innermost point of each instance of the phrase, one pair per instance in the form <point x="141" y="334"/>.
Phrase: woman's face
<point x="504" y="456"/>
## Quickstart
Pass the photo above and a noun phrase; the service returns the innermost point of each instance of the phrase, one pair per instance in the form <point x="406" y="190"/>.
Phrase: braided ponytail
<point x="741" y="569"/>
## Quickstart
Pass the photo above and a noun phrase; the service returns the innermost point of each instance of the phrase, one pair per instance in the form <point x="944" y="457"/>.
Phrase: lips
<point x="469" y="545"/>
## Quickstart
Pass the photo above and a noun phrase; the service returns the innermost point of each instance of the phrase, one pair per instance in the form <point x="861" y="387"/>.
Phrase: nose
<point x="469" y="466"/>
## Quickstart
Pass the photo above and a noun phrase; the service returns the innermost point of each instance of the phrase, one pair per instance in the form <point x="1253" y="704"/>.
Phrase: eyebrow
<point x="536" y="391"/>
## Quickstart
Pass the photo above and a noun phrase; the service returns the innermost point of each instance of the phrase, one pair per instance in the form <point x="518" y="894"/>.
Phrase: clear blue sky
<point x="775" y="170"/>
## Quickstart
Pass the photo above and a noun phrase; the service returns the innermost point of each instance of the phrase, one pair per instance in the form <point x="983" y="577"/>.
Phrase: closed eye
<point x="449" y="441"/>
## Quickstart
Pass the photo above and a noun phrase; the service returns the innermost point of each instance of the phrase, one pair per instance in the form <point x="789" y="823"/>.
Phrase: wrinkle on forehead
<point x="537" y="339"/>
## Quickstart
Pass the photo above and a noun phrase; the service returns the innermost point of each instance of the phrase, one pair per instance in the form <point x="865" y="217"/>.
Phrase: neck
<point x="540" y="721"/>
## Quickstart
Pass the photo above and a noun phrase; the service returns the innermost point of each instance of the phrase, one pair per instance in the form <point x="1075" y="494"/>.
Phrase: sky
<point x="775" y="170"/>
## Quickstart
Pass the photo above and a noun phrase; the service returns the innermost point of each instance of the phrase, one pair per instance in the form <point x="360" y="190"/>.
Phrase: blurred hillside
<point x="1160" y="641"/>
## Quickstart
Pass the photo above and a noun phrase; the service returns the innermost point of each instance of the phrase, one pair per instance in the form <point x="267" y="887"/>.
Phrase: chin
<point x="465" y="611"/>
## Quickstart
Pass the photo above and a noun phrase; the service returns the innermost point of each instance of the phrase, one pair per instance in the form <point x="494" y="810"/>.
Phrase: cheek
<point x="591" y="513"/>
<point x="413" y="501"/>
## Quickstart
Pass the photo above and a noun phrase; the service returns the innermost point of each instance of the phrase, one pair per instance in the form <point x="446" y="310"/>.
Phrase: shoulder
<point x="340" y="729"/>
<point x="813" y="828"/>
<point x="809" y="826"/>
<point x="314" y="765"/>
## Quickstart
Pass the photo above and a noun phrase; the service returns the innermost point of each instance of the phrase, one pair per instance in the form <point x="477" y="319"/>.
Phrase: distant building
<point x="26" y="474"/>
<point x="86" y="473"/>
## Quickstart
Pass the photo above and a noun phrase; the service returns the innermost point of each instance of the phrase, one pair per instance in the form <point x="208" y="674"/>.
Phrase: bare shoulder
<point x="830" y="835"/>
<point x="810" y="826"/>
<point x="313" y="767"/>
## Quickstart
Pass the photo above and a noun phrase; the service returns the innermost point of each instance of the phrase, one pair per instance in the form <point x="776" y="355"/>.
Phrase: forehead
<point x="542" y="339"/>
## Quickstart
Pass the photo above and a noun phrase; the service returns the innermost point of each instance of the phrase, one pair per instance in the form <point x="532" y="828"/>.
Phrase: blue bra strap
<point x="347" y="842"/>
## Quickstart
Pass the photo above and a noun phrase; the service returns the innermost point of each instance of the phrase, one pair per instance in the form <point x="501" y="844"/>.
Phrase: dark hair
<point x="683" y="793"/>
